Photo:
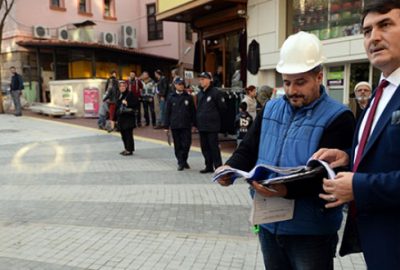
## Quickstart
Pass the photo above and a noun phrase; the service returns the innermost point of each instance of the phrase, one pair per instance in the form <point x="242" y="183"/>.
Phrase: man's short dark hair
<point x="379" y="6"/>
<point x="317" y="69"/>
<point x="12" y="67"/>
<point x="159" y="72"/>
<point x="243" y="106"/>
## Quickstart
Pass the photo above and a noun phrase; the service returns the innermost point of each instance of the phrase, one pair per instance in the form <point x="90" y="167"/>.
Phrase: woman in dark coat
<point x="127" y="104"/>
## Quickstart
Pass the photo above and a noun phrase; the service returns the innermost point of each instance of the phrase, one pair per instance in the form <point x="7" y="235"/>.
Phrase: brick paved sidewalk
<point x="227" y="144"/>
<point x="69" y="201"/>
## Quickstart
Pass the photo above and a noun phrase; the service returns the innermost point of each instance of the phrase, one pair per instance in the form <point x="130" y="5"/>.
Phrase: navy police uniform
<point x="180" y="117"/>
<point x="210" y="107"/>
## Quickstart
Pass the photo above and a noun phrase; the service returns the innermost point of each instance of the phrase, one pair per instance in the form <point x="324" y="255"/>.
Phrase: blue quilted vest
<point x="288" y="138"/>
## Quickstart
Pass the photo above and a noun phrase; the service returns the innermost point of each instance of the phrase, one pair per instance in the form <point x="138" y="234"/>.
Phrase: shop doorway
<point x="359" y="72"/>
<point x="222" y="52"/>
<point x="335" y="82"/>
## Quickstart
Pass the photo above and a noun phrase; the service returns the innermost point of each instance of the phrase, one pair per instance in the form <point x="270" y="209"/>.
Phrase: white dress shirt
<point x="388" y="92"/>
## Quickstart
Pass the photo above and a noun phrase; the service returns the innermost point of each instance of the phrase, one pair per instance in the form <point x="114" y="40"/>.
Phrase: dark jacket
<point x="243" y="122"/>
<point x="253" y="58"/>
<point x="376" y="189"/>
<point x="126" y="119"/>
<point x="16" y="82"/>
<point x="210" y="107"/>
<point x="180" y="111"/>
<point x="162" y="87"/>
<point x="112" y="91"/>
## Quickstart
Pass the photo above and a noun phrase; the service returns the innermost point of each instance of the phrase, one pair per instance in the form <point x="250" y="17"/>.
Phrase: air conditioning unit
<point x="129" y="39"/>
<point x="109" y="38"/>
<point x="63" y="33"/>
<point x="40" y="31"/>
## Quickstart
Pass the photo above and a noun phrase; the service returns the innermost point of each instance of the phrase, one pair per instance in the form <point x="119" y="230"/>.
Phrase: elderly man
<point x="373" y="186"/>
<point x="362" y="92"/>
<point x="289" y="131"/>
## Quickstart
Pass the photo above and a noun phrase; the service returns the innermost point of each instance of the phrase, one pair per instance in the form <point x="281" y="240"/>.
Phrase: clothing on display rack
<point x="233" y="97"/>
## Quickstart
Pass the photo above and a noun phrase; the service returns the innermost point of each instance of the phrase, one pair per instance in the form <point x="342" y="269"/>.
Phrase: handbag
<point x="124" y="109"/>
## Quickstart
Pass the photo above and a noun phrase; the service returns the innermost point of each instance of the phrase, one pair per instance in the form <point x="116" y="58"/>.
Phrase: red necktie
<point x="368" y="124"/>
<point x="365" y="135"/>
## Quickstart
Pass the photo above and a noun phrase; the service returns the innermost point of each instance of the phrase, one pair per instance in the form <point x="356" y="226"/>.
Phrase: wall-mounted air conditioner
<point x="40" y="31"/>
<point x="129" y="39"/>
<point x="109" y="38"/>
<point x="63" y="33"/>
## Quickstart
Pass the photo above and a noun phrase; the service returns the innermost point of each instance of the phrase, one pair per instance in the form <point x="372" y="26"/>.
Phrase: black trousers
<point x="138" y="114"/>
<point x="127" y="138"/>
<point x="182" y="141"/>
<point x="149" y="106"/>
<point x="210" y="149"/>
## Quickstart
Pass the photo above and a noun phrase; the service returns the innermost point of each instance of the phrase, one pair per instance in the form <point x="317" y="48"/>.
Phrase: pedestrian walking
<point x="16" y="87"/>
<point x="127" y="105"/>
<point x="210" y="108"/>
<point x="180" y="117"/>
<point x="372" y="188"/>
<point x="148" y="93"/>
<point x="289" y="131"/>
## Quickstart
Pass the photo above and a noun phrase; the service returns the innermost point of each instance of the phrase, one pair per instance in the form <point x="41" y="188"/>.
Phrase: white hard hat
<point x="300" y="53"/>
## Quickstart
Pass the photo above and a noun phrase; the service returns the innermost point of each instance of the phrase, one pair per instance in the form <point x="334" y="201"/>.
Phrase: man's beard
<point x="362" y="98"/>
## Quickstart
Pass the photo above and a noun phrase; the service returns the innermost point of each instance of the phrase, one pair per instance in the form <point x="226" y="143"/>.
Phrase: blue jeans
<point x="297" y="252"/>
<point x="103" y="115"/>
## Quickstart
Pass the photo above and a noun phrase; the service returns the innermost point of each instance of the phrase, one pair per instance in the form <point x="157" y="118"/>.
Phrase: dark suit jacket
<point x="376" y="187"/>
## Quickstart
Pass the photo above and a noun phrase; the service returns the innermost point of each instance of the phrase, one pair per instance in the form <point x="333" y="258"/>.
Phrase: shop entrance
<point x="222" y="52"/>
<point x="335" y="82"/>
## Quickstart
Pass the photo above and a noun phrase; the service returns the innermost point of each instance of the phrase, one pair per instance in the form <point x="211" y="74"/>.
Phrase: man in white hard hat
<point x="289" y="131"/>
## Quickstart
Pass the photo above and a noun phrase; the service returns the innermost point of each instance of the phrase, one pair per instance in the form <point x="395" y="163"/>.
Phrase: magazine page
<point x="261" y="172"/>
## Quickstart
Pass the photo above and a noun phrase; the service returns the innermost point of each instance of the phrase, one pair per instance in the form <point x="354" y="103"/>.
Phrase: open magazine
<point x="260" y="173"/>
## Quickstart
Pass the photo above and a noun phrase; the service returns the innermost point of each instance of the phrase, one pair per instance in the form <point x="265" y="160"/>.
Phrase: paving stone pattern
<point x="69" y="201"/>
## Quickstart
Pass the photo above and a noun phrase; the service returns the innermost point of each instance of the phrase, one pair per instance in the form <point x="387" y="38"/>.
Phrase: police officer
<point x="180" y="117"/>
<point x="210" y="106"/>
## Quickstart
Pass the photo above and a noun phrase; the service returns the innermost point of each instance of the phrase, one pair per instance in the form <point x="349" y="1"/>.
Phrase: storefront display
<point x="327" y="18"/>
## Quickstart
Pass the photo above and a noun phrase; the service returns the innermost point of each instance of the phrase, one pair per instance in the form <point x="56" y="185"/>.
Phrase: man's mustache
<point x="295" y="96"/>
<point x="373" y="48"/>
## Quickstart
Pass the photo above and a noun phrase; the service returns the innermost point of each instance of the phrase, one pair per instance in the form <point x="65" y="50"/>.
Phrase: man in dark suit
<point x="373" y="186"/>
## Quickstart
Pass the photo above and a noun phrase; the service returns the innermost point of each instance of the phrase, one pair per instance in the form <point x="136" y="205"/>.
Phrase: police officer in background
<point x="210" y="107"/>
<point x="180" y="116"/>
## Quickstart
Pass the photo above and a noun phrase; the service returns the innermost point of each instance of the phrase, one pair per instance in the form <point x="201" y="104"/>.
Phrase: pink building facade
<point x="50" y="40"/>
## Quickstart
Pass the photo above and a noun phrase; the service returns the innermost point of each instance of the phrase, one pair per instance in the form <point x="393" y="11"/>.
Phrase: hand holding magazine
<point x="273" y="209"/>
<point x="260" y="173"/>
